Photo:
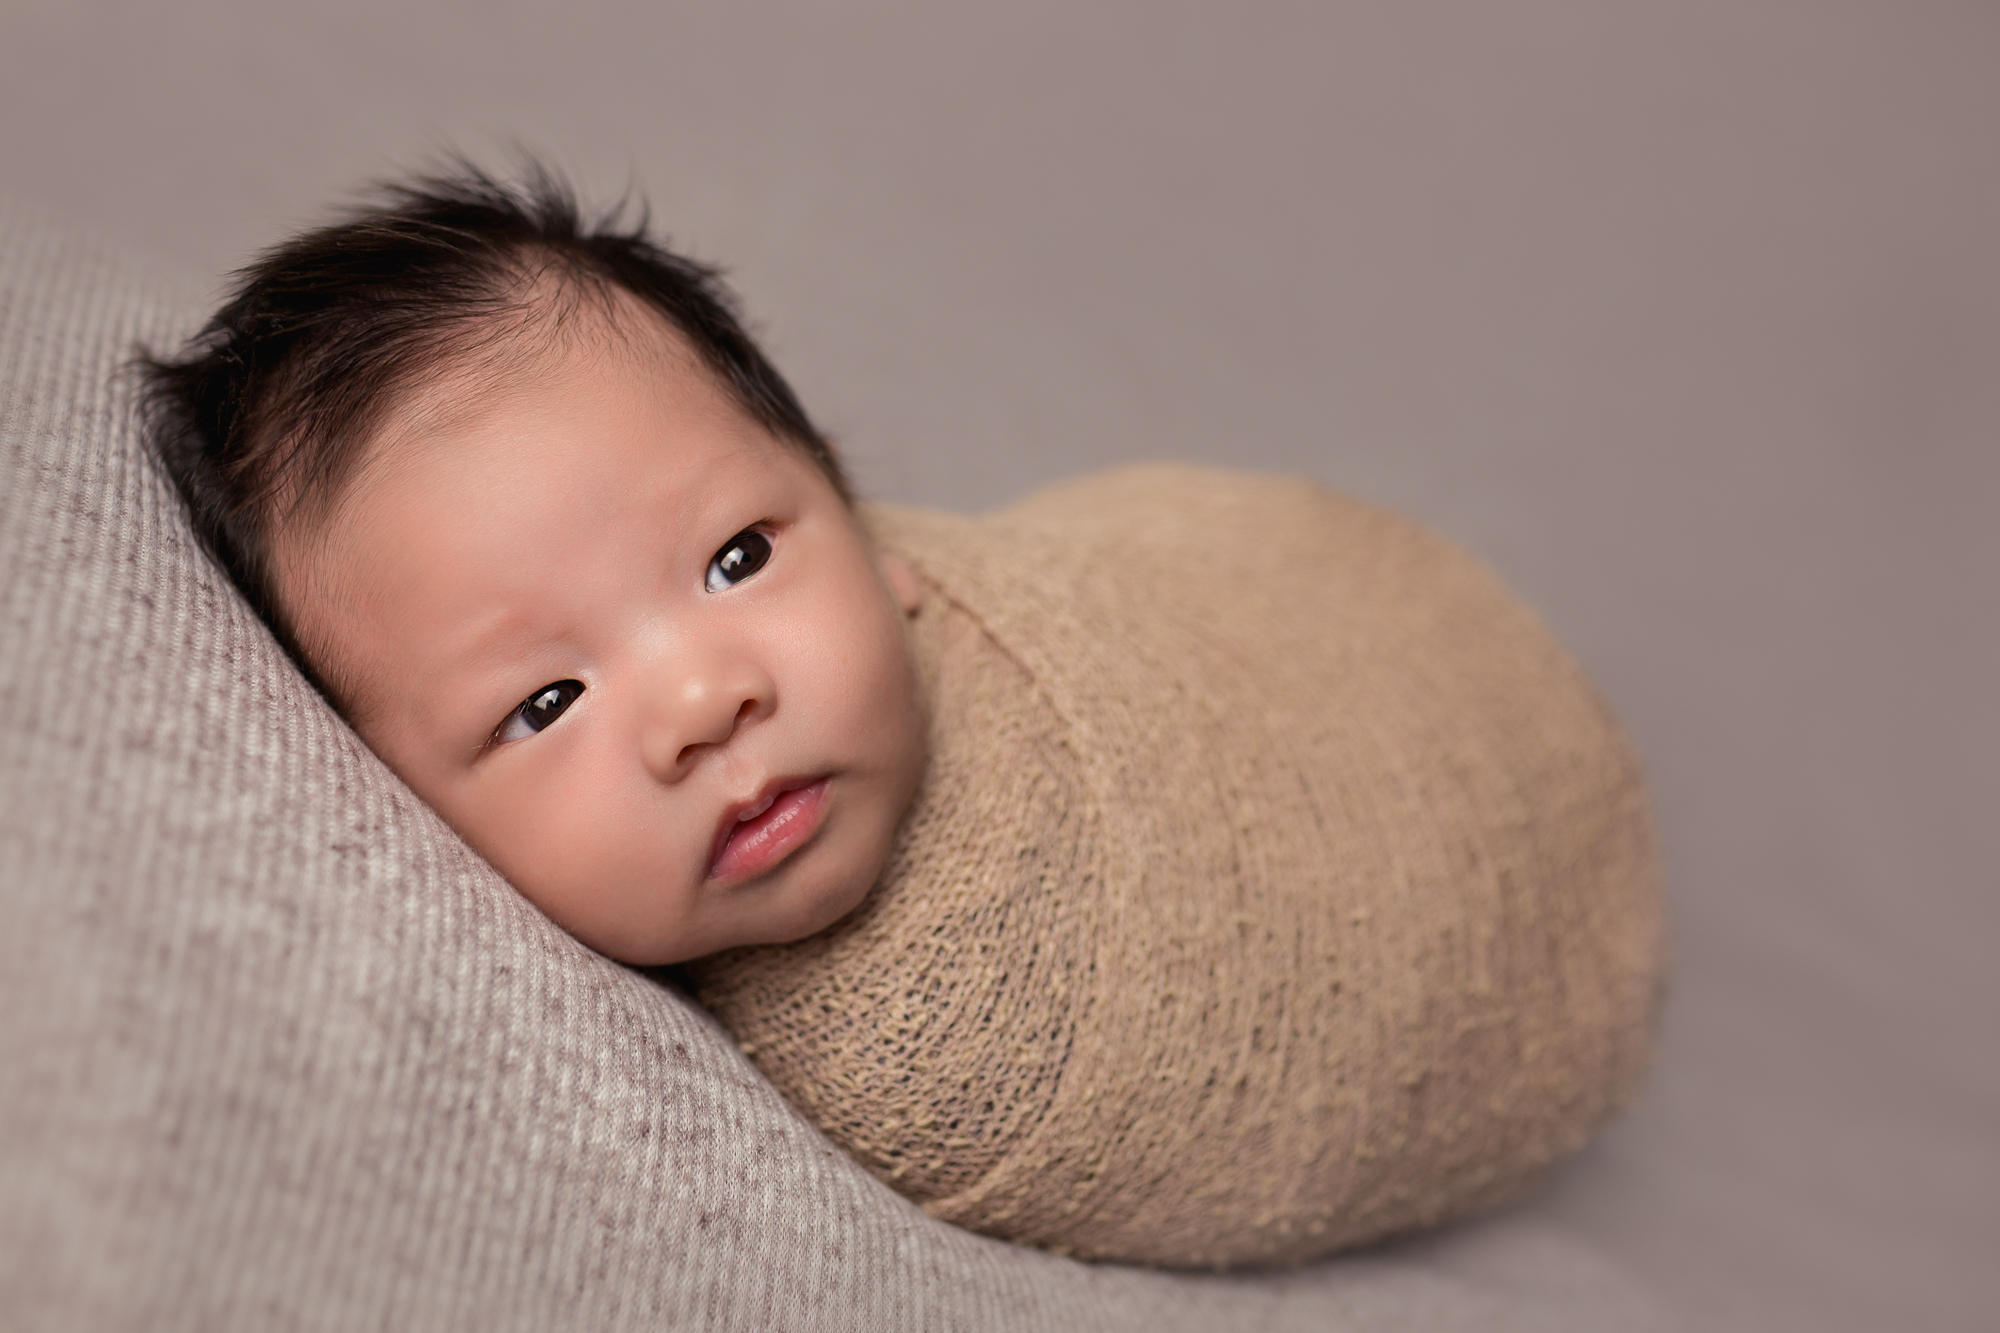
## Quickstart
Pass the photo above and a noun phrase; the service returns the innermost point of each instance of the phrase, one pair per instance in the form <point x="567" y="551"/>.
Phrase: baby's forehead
<point x="557" y="328"/>
<point x="631" y="356"/>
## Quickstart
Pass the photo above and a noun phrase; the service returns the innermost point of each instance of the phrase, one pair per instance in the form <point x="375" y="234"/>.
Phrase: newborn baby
<point x="1178" y="867"/>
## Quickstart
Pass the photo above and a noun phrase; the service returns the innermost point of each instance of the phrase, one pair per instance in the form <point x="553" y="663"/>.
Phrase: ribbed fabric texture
<point x="1278" y="884"/>
<point x="278" y="1053"/>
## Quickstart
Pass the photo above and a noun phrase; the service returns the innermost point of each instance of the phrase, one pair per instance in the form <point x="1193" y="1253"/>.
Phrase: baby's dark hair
<point x="267" y="412"/>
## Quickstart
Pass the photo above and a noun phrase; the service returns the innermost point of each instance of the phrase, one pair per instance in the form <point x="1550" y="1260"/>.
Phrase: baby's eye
<point x="538" y="710"/>
<point x="740" y="557"/>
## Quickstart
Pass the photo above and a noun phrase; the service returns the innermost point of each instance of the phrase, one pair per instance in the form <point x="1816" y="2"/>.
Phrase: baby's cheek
<point x="903" y="705"/>
<point x="572" y="850"/>
<point x="637" y="890"/>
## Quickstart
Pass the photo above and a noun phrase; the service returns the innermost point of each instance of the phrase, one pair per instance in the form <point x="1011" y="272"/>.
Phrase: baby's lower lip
<point x="755" y="846"/>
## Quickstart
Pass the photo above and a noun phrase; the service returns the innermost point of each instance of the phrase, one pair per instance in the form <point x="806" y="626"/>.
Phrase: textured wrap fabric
<point x="278" y="1053"/>
<point x="1278" y="884"/>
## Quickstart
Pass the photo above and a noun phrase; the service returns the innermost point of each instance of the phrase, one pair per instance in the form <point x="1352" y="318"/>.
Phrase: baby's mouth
<point x="755" y="836"/>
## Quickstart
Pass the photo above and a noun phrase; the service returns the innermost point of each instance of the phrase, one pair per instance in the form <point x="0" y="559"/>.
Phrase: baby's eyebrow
<point x="470" y="658"/>
<point x="498" y="632"/>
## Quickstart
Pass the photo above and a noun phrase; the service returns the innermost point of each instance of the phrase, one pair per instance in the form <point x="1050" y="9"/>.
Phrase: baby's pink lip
<point x="755" y="835"/>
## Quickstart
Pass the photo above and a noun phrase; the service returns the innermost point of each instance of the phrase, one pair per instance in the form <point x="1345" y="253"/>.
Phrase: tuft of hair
<point x="267" y="412"/>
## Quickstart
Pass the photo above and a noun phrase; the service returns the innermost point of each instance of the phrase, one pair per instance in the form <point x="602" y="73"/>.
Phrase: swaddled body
<point x="1277" y="883"/>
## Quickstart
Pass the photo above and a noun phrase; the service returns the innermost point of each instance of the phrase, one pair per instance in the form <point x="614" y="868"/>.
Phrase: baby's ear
<point x="902" y="581"/>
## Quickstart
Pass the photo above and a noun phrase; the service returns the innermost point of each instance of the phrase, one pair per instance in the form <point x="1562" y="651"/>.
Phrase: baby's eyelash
<point x="742" y="557"/>
<point x="537" y="712"/>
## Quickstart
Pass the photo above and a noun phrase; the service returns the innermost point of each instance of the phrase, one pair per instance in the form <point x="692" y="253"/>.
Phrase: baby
<point x="537" y="515"/>
<point x="1219" y="871"/>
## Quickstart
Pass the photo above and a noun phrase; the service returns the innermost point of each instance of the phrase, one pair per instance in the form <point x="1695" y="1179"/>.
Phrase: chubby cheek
<point x="854" y="672"/>
<point x="595" y="859"/>
<point x="895" y="713"/>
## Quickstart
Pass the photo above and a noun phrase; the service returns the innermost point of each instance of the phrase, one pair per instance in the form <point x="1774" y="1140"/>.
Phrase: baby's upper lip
<point x="749" y="808"/>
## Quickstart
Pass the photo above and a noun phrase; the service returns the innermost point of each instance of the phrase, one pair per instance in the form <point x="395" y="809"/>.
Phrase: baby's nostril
<point x="691" y="750"/>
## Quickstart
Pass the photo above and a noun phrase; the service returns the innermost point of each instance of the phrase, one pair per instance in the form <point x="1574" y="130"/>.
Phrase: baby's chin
<point x="824" y="904"/>
<point x="776" y="912"/>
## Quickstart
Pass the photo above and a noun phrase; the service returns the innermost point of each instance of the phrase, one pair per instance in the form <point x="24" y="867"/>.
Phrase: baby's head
<point x="537" y="515"/>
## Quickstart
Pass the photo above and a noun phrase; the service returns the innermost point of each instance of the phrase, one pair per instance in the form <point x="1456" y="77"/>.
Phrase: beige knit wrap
<point x="1278" y="883"/>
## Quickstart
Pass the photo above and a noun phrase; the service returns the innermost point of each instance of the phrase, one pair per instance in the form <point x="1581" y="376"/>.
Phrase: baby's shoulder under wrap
<point x="1277" y="883"/>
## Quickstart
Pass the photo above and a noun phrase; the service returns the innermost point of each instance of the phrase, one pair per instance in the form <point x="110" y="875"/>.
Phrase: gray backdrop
<point x="1686" y="316"/>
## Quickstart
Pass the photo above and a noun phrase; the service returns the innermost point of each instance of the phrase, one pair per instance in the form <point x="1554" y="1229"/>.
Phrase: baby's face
<point x="632" y="647"/>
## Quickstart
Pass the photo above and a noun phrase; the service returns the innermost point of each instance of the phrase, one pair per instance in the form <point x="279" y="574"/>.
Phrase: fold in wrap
<point x="1277" y="883"/>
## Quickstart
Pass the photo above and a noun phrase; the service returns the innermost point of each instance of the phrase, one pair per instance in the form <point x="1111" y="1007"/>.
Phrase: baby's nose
<point x="699" y="710"/>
